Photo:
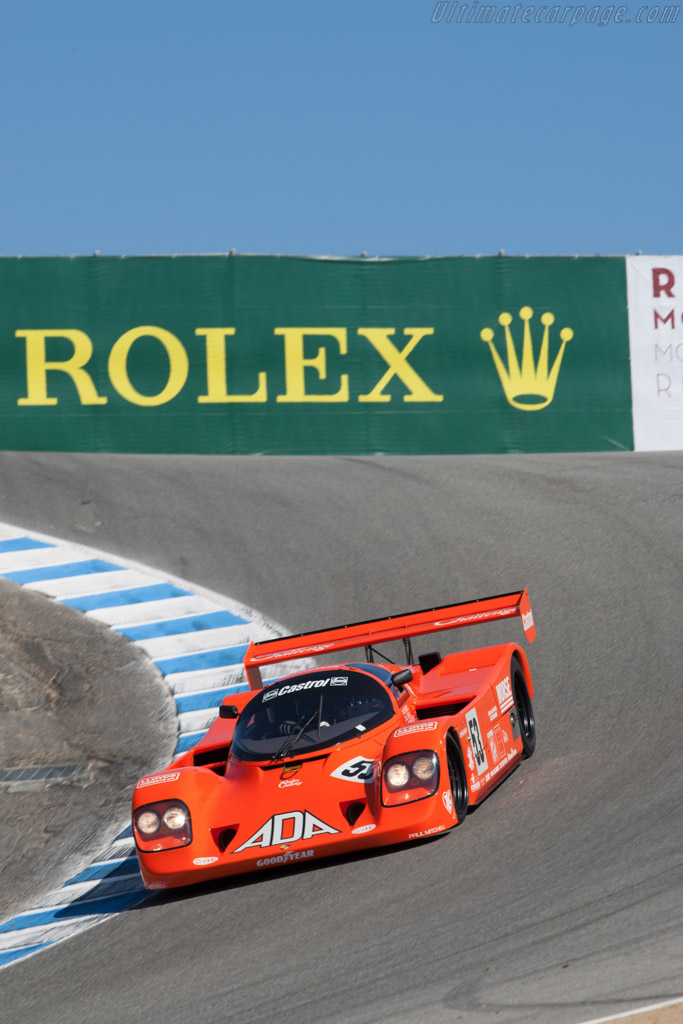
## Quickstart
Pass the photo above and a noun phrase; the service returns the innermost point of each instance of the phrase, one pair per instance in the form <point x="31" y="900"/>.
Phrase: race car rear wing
<point x="395" y="627"/>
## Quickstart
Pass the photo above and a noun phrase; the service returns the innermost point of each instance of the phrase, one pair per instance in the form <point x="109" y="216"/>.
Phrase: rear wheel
<point x="523" y="708"/>
<point x="457" y="778"/>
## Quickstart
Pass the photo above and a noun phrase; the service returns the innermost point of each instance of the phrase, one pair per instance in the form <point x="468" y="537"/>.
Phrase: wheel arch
<point x="452" y="730"/>
<point x="521" y="657"/>
<point x="464" y="800"/>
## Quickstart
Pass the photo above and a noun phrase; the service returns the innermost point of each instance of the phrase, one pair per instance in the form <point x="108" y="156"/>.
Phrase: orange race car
<point x="344" y="756"/>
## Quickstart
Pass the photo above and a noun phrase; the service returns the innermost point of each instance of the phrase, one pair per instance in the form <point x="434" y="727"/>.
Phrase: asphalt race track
<point x="561" y="897"/>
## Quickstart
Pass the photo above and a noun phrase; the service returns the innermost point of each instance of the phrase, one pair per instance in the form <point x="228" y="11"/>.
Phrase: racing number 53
<point x="358" y="769"/>
<point x="476" y="741"/>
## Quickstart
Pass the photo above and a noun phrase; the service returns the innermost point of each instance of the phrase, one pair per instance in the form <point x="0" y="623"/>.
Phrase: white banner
<point x="655" y="317"/>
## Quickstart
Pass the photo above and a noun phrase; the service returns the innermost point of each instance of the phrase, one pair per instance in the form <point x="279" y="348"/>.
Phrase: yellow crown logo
<point x="529" y="387"/>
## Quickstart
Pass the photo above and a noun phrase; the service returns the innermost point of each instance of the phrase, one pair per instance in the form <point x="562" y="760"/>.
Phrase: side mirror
<point x="228" y="711"/>
<point x="402" y="677"/>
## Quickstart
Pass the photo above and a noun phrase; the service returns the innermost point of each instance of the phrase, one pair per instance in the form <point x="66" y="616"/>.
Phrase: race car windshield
<point x="310" y="712"/>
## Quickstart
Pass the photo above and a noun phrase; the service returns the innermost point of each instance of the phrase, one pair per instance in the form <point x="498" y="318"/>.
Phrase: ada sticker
<point x="447" y="798"/>
<point x="358" y="769"/>
<point x="405" y="730"/>
<point x="362" y="829"/>
<point x="289" y="827"/>
<point x="476" y="741"/>
<point x="153" y="780"/>
<point x="199" y="861"/>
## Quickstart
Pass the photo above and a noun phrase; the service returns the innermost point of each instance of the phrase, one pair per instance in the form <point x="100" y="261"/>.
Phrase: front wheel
<point x="458" y="779"/>
<point x="523" y="709"/>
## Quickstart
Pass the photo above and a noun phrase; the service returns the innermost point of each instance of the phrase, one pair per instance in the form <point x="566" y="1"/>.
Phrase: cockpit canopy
<point x="310" y="711"/>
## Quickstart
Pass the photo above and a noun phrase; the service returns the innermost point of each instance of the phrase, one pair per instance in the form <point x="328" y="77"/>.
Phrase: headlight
<point x="174" y="818"/>
<point x="411" y="776"/>
<point x="162" y="825"/>
<point x="424" y="767"/>
<point x="398" y="774"/>
<point x="148" y="822"/>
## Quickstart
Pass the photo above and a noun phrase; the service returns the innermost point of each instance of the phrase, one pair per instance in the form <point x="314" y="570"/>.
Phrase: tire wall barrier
<point x="297" y="355"/>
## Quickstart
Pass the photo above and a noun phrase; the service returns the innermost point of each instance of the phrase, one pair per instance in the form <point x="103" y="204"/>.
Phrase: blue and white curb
<point x="195" y="637"/>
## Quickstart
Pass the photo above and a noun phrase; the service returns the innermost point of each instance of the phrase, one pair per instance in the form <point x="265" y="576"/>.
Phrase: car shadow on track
<point x="227" y="883"/>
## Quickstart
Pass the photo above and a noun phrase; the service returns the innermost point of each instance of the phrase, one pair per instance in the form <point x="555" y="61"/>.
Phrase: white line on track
<point x="634" y="1013"/>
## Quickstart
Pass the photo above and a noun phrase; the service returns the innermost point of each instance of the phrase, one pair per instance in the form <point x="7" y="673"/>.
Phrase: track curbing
<point x="184" y="630"/>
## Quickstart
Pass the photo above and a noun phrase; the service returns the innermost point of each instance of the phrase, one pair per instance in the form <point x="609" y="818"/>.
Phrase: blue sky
<point x="334" y="126"/>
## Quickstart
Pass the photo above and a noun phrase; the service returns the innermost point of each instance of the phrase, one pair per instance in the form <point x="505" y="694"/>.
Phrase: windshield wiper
<point x="289" y="743"/>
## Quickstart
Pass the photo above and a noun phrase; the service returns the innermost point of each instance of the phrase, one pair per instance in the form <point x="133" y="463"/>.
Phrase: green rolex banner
<point x="247" y="354"/>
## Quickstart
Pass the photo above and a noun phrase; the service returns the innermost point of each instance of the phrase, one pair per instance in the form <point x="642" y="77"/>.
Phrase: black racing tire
<point x="457" y="777"/>
<point x="523" y="708"/>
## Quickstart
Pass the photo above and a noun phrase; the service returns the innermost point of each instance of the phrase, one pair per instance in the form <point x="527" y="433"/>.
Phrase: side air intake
<point x="441" y="710"/>
<point x="215" y="756"/>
